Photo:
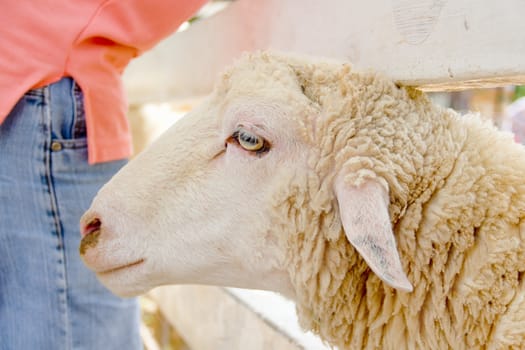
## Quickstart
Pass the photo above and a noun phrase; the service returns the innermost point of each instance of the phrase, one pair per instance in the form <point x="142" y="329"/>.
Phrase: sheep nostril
<point x="92" y="226"/>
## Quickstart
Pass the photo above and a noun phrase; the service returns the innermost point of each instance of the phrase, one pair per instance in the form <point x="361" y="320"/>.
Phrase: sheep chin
<point x="125" y="281"/>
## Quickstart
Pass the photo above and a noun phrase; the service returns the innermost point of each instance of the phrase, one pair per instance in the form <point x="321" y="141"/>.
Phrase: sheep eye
<point x="249" y="141"/>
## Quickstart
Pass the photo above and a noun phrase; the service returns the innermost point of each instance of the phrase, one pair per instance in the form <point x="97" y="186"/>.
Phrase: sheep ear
<point x="365" y="218"/>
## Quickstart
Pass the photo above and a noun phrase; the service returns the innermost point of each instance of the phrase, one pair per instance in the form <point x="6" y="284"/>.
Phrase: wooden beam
<point x="434" y="44"/>
<point x="210" y="318"/>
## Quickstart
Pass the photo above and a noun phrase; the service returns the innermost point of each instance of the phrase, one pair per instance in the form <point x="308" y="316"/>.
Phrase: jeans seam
<point x="75" y="110"/>
<point x="54" y="208"/>
<point x="80" y="115"/>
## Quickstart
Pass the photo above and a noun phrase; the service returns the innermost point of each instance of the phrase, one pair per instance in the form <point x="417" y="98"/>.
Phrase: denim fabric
<point x="48" y="299"/>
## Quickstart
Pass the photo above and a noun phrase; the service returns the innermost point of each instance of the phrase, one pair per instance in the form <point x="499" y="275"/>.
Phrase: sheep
<point x="391" y="222"/>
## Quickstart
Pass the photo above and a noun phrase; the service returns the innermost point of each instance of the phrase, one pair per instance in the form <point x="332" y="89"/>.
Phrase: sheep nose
<point x="92" y="226"/>
<point x="90" y="233"/>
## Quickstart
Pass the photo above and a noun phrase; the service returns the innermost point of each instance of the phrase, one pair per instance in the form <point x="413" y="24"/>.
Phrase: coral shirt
<point x="91" y="41"/>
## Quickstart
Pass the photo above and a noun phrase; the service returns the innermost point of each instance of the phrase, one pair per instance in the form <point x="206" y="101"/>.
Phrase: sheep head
<point x="275" y="168"/>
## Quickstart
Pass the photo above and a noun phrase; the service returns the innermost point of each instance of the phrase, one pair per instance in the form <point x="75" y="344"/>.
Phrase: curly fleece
<point x="457" y="202"/>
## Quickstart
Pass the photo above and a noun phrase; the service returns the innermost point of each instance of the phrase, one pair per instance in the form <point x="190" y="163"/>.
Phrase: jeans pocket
<point x="68" y="118"/>
<point x="59" y="144"/>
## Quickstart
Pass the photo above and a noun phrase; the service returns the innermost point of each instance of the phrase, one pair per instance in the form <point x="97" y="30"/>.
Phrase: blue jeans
<point x="48" y="298"/>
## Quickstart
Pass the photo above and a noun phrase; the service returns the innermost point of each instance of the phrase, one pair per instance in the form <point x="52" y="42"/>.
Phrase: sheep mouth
<point x="121" y="267"/>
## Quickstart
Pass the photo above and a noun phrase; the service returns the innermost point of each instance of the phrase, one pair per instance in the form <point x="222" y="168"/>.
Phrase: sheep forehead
<point x="269" y="70"/>
<point x="267" y="91"/>
<point x="268" y="78"/>
<point x="306" y="83"/>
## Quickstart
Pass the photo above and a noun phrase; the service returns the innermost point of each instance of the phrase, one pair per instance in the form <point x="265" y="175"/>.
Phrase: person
<point x="515" y="116"/>
<point x="63" y="134"/>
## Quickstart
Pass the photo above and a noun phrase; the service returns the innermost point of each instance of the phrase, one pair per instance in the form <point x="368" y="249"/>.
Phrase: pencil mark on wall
<point x="415" y="20"/>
